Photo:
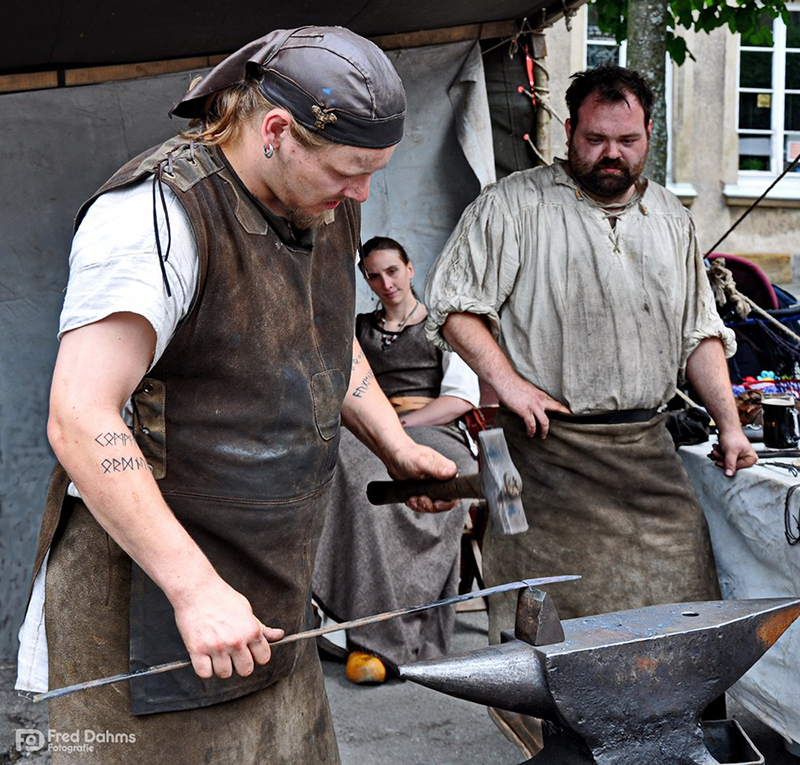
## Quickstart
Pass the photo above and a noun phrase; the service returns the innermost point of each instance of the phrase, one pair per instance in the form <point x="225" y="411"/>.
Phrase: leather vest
<point x="239" y="420"/>
<point x="408" y="365"/>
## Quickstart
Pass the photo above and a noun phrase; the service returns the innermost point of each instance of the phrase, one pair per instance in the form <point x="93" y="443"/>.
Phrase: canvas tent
<point x="84" y="85"/>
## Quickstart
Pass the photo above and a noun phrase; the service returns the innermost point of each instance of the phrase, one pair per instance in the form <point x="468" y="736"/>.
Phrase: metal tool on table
<point x="619" y="688"/>
<point x="498" y="482"/>
<point x="360" y="622"/>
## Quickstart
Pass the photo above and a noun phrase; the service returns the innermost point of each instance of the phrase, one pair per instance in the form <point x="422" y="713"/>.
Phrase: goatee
<point x="605" y="185"/>
<point x="303" y="221"/>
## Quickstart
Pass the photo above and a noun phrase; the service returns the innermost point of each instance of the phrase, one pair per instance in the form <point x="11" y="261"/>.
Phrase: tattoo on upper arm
<point x="358" y="359"/>
<point x="364" y="385"/>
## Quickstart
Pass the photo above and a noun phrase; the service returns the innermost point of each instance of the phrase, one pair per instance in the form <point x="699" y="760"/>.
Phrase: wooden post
<point x="541" y="89"/>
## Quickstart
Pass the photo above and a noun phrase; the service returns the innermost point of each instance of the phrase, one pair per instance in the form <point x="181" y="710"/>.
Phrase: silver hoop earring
<point x="269" y="150"/>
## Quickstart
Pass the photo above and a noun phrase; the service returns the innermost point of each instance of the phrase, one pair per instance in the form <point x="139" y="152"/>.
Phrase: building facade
<point x="734" y="127"/>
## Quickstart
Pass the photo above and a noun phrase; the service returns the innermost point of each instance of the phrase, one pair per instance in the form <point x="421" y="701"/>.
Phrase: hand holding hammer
<point x="498" y="482"/>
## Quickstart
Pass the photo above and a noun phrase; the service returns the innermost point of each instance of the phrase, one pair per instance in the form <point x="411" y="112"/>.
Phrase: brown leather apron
<point x="611" y="502"/>
<point x="239" y="420"/>
<point x="89" y="579"/>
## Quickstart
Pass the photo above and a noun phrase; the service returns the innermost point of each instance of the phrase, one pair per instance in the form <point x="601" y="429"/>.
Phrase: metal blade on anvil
<point x="646" y="658"/>
<point x="361" y="622"/>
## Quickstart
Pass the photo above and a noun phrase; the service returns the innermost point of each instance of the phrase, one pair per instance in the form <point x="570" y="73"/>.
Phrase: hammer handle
<point x="388" y="492"/>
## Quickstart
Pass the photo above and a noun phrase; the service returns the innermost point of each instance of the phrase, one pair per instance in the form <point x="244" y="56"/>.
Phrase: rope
<point x="687" y="399"/>
<point x="724" y="287"/>
<point x="544" y="100"/>
<point x="536" y="151"/>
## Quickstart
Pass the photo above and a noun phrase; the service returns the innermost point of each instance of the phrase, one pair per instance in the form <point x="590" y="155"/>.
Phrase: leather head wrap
<point x="333" y="82"/>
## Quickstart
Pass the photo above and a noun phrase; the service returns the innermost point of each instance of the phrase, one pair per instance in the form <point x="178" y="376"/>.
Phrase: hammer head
<point x="498" y="482"/>
<point x="501" y="484"/>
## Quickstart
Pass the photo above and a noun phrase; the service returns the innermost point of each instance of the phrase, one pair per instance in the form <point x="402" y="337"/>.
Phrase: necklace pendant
<point x="387" y="340"/>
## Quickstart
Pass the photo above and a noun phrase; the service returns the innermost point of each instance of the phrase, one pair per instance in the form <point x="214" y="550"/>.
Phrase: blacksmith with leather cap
<point x="211" y="300"/>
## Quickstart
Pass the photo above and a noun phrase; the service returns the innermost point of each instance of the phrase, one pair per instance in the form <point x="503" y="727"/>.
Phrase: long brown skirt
<point x="86" y="606"/>
<point x="374" y="559"/>
<point x="612" y="503"/>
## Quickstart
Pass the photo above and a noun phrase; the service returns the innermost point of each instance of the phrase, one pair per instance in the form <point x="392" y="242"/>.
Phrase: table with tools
<point x="754" y="520"/>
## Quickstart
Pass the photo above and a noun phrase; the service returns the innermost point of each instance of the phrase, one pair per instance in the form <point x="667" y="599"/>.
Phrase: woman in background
<point x="374" y="559"/>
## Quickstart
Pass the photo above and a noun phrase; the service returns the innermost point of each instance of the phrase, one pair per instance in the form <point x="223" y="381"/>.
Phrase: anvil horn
<point x="509" y="676"/>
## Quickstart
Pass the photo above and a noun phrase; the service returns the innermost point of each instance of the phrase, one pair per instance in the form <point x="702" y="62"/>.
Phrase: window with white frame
<point x="769" y="100"/>
<point x="600" y="47"/>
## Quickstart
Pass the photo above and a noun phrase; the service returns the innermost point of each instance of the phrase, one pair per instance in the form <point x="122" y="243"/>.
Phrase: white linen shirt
<point x="113" y="264"/>
<point x="459" y="380"/>
<point x="602" y="318"/>
<point x="113" y="267"/>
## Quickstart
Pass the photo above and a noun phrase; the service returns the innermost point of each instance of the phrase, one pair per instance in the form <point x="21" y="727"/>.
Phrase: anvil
<point x="620" y="688"/>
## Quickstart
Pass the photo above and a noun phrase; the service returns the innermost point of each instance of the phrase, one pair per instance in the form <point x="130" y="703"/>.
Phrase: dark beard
<point x="600" y="184"/>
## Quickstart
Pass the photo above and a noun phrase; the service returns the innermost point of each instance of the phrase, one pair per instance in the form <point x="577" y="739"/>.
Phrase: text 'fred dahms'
<point x="33" y="740"/>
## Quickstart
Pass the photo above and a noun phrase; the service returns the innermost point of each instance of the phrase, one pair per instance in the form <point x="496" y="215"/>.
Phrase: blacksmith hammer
<point x="498" y="482"/>
<point x="624" y="688"/>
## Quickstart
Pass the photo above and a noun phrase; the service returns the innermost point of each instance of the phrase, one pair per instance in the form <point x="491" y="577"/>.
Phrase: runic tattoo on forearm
<point x="366" y="381"/>
<point x="114" y="439"/>
<point x="124" y="464"/>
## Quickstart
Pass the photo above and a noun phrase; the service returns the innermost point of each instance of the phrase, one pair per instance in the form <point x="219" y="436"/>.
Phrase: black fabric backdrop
<point x="51" y="34"/>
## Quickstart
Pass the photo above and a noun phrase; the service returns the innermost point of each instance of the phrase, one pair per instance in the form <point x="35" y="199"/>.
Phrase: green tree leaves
<point x="751" y="18"/>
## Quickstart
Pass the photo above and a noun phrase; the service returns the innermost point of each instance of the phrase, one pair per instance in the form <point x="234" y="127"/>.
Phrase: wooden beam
<point x="447" y="35"/>
<point x="95" y="74"/>
<point x="29" y="81"/>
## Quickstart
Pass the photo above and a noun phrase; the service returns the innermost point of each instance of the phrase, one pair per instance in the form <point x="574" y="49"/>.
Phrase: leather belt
<point x="405" y="404"/>
<point x="607" y="418"/>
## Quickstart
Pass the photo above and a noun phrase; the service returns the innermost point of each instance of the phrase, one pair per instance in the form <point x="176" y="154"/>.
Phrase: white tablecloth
<point x="746" y="518"/>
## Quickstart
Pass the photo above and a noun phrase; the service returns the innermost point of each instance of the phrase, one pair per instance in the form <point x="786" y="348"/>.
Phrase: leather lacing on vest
<point x="166" y="167"/>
